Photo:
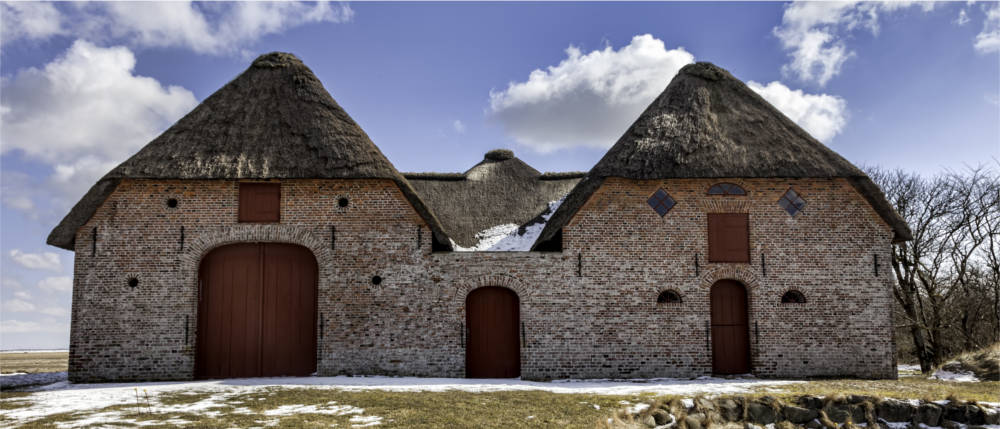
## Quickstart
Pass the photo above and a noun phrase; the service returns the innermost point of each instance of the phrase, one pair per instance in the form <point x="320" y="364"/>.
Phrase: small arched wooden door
<point x="493" y="349"/>
<point x="730" y="328"/>
<point x="257" y="311"/>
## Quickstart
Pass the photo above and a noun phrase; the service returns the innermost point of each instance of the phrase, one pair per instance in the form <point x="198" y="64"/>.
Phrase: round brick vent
<point x="342" y="202"/>
<point x="133" y="282"/>
<point x="376" y="280"/>
<point x="172" y="203"/>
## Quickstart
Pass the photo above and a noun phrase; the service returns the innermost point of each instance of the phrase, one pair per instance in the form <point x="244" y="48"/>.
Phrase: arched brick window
<point x="793" y="297"/>
<point x="669" y="297"/>
<point x="726" y="189"/>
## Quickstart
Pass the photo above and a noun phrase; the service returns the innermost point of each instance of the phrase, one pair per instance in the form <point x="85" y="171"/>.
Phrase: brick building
<point x="265" y="234"/>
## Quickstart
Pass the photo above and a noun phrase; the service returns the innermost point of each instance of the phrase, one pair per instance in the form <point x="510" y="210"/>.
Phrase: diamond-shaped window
<point x="792" y="202"/>
<point x="661" y="202"/>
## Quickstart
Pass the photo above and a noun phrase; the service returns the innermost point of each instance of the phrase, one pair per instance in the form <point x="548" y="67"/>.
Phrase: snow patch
<point x="365" y="421"/>
<point x="959" y="376"/>
<point x="331" y="408"/>
<point x="506" y="237"/>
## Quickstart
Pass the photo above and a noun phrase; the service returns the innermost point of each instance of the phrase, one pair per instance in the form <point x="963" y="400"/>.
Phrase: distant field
<point x="32" y="362"/>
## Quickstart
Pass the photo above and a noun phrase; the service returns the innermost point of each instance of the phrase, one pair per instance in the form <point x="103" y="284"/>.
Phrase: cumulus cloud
<point x="47" y="261"/>
<point x="822" y="115"/>
<point x="458" y="126"/>
<point x="22" y="295"/>
<point x="989" y="39"/>
<point x="56" y="284"/>
<point x="29" y="20"/>
<point x="208" y="28"/>
<point x="17" y="306"/>
<point x="83" y="113"/>
<point x="588" y="99"/>
<point x="813" y="33"/>
<point x="54" y="311"/>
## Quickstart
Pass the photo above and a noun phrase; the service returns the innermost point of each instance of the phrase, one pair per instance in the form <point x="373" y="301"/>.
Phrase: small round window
<point x="793" y="297"/>
<point x="668" y="297"/>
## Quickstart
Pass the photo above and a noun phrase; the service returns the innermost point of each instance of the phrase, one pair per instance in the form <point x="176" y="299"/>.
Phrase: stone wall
<point x="589" y="311"/>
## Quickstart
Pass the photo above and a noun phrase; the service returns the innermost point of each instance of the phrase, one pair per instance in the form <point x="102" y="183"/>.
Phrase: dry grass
<point x="905" y="388"/>
<point x="453" y="409"/>
<point x="984" y="363"/>
<point x="32" y="362"/>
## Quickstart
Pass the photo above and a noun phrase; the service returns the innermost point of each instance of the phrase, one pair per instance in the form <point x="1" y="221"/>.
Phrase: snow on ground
<point x="904" y="367"/>
<point x="9" y="381"/>
<point x="64" y="397"/>
<point x="954" y="376"/>
<point x="505" y="238"/>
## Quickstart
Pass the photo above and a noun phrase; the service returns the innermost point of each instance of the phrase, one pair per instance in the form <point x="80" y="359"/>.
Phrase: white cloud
<point x="22" y="295"/>
<point x="9" y="283"/>
<point x="17" y="306"/>
<point x="37" y="261"/>
<point x="29" y="20"/>
<point x="84" y="112"/>
<point x="208" y="28"/>
<point x="813" y="31"/>
<point x="963" y="18"/>
<point x="11" y="326"/>
<point x="989" y="39"/>
<point x="587" y="99"/>
<point x="822" y="115"/>
<point x="458" y="126"/>
<point x="56" y="284"/>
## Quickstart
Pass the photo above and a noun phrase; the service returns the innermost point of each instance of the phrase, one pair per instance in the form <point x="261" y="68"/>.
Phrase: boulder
<point x="894" y="410"/>
<point x="704" y="404"/>
<point x="759" y="412"/>
<point x="811" y="402"/>
<point x="964" y="413"/>
<point x="648" y="421"/>
<point x="991" y="416"/>
<point x="799" y="415"/>
<point x="838" y="413"/>
<point x="928" y="414"/>
<point x="694" y="421"/>
<point x="857" y="399"/>
<point x="661" y="417"/>
<point x="813" y="424"/>
<point x="730" y="410"/>
<point x="948" y="424"/>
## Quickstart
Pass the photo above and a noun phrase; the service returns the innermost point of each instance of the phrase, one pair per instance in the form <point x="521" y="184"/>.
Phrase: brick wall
<point x="589" y="311"/>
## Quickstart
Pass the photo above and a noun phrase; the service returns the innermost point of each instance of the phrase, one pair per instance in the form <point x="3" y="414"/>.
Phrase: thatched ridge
<point x="708" y="124"/>
<point x="501" y="189"/>
<point x="274" y="121"/>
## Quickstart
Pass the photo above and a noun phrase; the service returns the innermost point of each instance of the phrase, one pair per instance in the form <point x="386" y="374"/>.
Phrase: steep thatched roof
<point x="274" y="121"/>
<point x="708" y="124"/>
<point x="499" y="190"/>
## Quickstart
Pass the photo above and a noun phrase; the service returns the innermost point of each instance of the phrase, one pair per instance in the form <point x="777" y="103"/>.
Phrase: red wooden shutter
<point x="260" y="202"/>
<point x="728" y="237"/>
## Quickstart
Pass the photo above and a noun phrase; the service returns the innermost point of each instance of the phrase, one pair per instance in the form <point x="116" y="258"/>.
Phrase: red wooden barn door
<point x="493" y="349"/>
<point x="257" y="311"/>
<point x="730" y="328"/>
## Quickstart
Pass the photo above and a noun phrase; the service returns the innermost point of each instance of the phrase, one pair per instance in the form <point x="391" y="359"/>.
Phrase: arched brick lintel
<point x="203" y="243"/>
<point x="742" y="273"/>
<point x="499" y="280"/>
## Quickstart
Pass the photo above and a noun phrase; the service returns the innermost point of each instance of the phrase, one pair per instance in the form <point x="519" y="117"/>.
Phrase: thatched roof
<point x="708" y="124"/>
<point x="274" y="121"/>
<point x="501" y="189"/>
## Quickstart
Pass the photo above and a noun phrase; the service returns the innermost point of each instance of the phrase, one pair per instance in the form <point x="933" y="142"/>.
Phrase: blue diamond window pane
<point x="661" y="210"/>
<point x="792" y="202"/>
<point x="669" y="202"/>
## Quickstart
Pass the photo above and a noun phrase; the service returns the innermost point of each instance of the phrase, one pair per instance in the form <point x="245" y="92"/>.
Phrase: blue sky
<point x="436" y="85"/>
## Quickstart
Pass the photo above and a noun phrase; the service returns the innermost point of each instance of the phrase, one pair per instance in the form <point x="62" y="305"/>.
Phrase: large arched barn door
<point x="730" y="328"/>
<point x="257" y="311"/>
<point x="493" y="349"/>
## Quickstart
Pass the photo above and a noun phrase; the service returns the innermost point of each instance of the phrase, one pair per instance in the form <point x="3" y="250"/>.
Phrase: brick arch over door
<point x="201" y="244"/>
<point x="742" y="273"/>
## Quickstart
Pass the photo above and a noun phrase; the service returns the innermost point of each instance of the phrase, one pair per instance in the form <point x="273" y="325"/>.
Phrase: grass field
<point x="32" y="362"/>
<point x="237" y="405"/>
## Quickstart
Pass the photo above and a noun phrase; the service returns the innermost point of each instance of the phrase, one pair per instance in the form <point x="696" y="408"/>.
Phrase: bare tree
<point x="948" y="276"/>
